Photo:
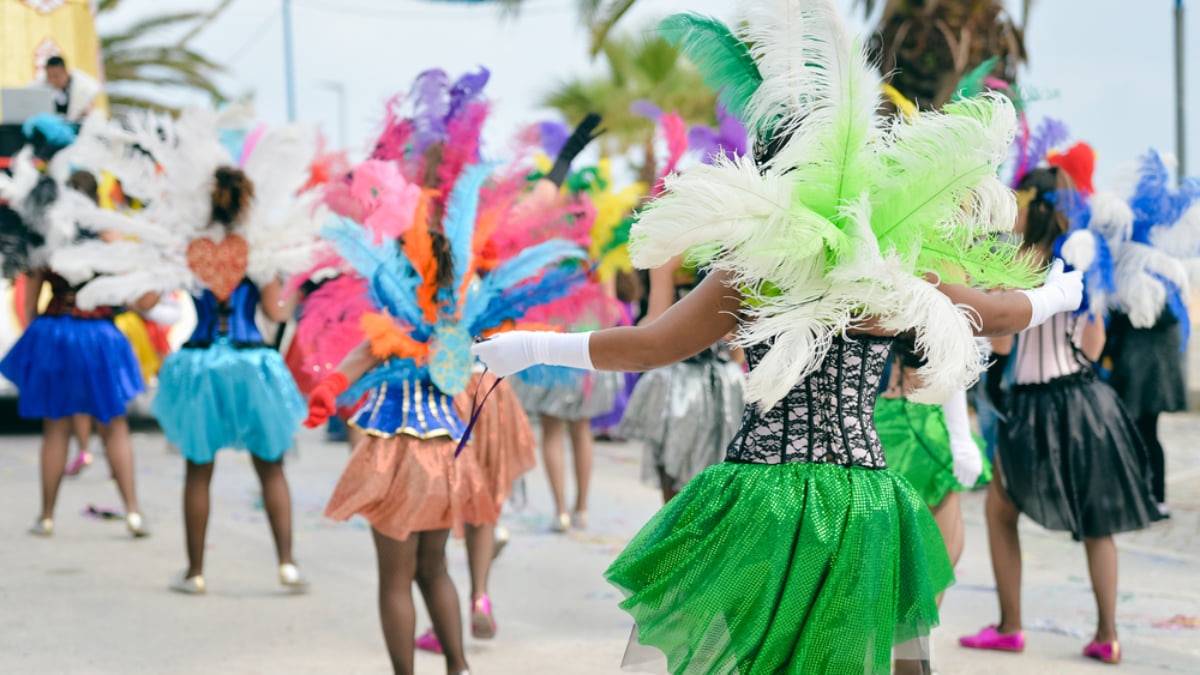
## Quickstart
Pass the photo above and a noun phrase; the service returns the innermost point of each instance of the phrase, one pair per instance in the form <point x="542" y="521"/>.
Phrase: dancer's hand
<point x="322" y="402"/>
<point x="1062" y="292"/>
<point x="508" y="353"/>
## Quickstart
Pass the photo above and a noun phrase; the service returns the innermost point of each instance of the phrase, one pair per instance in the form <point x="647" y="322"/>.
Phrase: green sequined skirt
<point x="787" y="568"/>
<point x="916" y="445"/>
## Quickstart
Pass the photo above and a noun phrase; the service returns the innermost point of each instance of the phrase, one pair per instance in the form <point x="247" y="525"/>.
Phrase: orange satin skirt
<point x="502" y="439"/>
<point x="405" y="484"/>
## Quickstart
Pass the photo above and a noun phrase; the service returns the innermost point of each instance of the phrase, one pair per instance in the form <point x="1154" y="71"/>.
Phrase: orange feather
<point x="418" y="246"/>
<point x="388" y="340"/>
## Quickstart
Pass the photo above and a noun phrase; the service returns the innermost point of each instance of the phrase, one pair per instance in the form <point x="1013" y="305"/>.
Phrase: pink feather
<point x="328" y="328"/>
<point x="675" y="131"/>
<point x="393" y="141"/>
<point x="462" y="143"/>
<point x="251" y="143"/>
<point x="339" y="197"/>
<point x="588" y="308"/>
<point x="327" y="258"/>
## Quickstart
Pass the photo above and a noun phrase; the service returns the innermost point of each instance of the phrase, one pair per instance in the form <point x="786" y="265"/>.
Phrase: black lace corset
<point x="827" y="418"/>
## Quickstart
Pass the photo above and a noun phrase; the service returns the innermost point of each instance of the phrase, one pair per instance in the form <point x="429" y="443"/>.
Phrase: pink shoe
<point x="428" y="642"/>
<point x="81" y="461"/>
<point x="1108" y="652"/>
<point x="990" y="638"/>
<point x="483" y="626"/>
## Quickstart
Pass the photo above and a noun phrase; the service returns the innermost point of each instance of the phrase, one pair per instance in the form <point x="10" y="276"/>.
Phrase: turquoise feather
<point x="723" y="60"/>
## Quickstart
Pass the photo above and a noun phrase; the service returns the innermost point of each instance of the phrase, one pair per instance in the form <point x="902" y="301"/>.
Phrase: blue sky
<point x="1110" y="61"/>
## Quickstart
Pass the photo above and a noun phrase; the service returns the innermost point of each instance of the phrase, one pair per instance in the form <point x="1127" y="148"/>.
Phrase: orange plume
<point x="418" y="246"/>
<point x="387" y="339"/>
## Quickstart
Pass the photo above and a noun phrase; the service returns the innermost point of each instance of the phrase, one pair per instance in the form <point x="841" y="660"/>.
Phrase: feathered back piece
<point x="840" y="216"/>
<point x="417" y="218"/>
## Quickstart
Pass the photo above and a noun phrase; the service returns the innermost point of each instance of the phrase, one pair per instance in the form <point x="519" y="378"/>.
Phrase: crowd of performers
<point x="822" y="278"/>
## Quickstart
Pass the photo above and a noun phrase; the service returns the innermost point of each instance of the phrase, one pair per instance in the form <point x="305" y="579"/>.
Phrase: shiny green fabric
<point x="916" y="445"/>
<point x="788" y="568"/>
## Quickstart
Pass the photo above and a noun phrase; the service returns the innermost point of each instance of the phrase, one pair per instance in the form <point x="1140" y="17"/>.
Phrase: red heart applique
<point x="221" y="267"/>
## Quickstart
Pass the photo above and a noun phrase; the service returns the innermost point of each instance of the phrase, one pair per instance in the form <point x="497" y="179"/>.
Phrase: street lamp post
<point x="339" y="90"/>
<point x="1180" y="102"/>
<point x="289" y="71"/>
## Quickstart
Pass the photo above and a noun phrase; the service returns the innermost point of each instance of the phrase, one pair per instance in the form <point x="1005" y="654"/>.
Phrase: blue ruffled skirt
<point x="225" y="397"/>
<point x="65" y="366"/>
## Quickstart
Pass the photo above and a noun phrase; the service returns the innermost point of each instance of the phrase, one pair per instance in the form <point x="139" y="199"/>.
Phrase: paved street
<point x="90" y="600"/>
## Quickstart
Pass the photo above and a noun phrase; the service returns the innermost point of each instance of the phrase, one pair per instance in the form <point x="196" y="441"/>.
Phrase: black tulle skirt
<point x="1072" y="459"/>
<point x="1148" y="366"/>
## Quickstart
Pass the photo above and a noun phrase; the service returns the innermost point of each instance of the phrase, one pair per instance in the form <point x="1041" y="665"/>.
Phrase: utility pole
<point x="1180" y="101"/>
<point x="289" y="68"/>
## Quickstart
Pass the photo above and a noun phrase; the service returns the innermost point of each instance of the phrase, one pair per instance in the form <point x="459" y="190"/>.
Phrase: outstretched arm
<point x="691" y="325"/>
<point x="322" y="402"/>
<point x="1011" y="312"/>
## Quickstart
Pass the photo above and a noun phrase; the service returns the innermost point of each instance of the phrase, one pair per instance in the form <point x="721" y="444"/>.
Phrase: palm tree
<point x="930" y="44"/>
<point x="639" y="67"/>
<point x="598" y="16"/>
<point x="131" y="58"/>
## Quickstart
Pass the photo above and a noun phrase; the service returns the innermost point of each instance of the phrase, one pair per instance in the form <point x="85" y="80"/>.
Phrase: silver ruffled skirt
<point x="685" y="414"/>
<point x="591" y="395"/>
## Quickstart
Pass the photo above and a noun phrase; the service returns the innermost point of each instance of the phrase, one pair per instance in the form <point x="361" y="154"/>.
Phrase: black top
<point x="827" y="418"/>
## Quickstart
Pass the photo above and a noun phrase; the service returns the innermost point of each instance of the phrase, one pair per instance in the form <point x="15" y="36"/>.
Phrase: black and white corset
<point x="827" y="418"/>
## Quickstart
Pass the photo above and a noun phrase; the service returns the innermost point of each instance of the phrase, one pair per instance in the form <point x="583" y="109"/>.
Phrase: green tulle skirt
<point x="787" y="568"/>
<point x="916" y="445"/>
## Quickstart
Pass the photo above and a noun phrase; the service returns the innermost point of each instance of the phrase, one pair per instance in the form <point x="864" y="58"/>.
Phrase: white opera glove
<point x="508" y="353"/>
<point x="1062" y="292"/>
<point x="964" y="451"/>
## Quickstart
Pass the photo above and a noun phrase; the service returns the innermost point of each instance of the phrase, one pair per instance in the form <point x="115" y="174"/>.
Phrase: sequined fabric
<point x="790" y="568"/>
<point x="403" y="484"/>
<point x="917" y="446"/>
<point x="502" y="439"/>
<point x="589" y="397"/>
<point x="775" y="563"/>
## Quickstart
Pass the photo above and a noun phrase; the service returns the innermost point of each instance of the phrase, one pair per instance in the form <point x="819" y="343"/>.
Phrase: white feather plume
<point x="1181" y="238"/>
<point x="1140" y="295"/>
<point x="1079" y="250"/>
<point x="1111" y="218"/>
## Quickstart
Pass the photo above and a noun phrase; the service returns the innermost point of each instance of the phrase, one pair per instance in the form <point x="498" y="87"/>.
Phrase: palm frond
<point x="138" y="30"/>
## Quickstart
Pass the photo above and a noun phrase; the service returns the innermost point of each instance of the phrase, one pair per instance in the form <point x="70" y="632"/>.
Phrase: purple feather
<point x="553" y="135"/>
<point x="1050" y="133"/>
<point x="467" y="89"/>
<point x="646" y="109"/>
<point x="706" y="141"/>
<point x="430" y="109"/>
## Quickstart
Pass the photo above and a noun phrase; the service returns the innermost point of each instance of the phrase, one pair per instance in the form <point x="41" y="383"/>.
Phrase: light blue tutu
<point x="65" y="366"/>
<point x="225" y="397"/>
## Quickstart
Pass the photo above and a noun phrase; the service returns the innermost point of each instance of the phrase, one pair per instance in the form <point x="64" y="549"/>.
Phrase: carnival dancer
<point x="413" y="475"/>
<point x="818" y="249"/>
<point x="686" y="413"/>
<point x="231" y="234"/>
<point x="71" y="364"/>
<point x="1069" y="456"/>
<point x="1150" y="324"/>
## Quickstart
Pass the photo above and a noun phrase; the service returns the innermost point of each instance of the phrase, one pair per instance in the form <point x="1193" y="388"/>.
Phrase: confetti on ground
<point x="1051" y="626"/>
<point x="1179" y="621"/>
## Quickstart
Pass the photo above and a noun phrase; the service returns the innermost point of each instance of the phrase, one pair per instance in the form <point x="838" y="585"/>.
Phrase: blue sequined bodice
<point x="827" y="418"/>
<point x="238" y="314"/>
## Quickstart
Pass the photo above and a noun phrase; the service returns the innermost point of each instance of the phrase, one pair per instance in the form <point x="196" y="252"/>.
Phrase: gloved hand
<point x="968" y="460"/>
<point x="322" y="402"/>
<point x="584" y="133"/>
<point x="1062" y="292"/>
<point x="508" y="353"/>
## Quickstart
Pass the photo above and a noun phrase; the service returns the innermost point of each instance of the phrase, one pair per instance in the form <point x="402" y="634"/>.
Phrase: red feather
<point x="1080" y="164"/>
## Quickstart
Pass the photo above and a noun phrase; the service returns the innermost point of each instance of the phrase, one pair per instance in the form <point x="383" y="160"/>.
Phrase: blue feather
<point x="350" y="240"/>
<point x="461" y="211"/>
<point x="524" y="266"/>
<point x="54" y="128"/>
<point x="551" y="376"/>
<point x="515" y="302"/>
<point x="1178" y="307"/>
<point x="391" y="371"/>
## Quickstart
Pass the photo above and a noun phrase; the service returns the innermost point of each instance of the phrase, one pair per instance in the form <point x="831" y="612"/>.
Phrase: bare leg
<point x="1102" y="566"/>
<point x="948" y="516"/>
<point x="56" y="436"/>
<point x="1005" y="545"/>
<point x="552" y="455"/>
<point x="397" y="561"/>
<point x="81" y="426"/>
<point x="277" y="500"/>
<point x="581" y="447"/>
<point x="195" y="514"/>
<point x="440" y="597"/>
<point x="912" y="667"/>
<point x="118" y="447"/>
<point x="667" y="484"/>
<point x="481" y="546"/>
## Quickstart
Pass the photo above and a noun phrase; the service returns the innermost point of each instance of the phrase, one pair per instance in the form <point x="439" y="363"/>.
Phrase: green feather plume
<point x="723" y="60"/>
<point x="972" y="83"/>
